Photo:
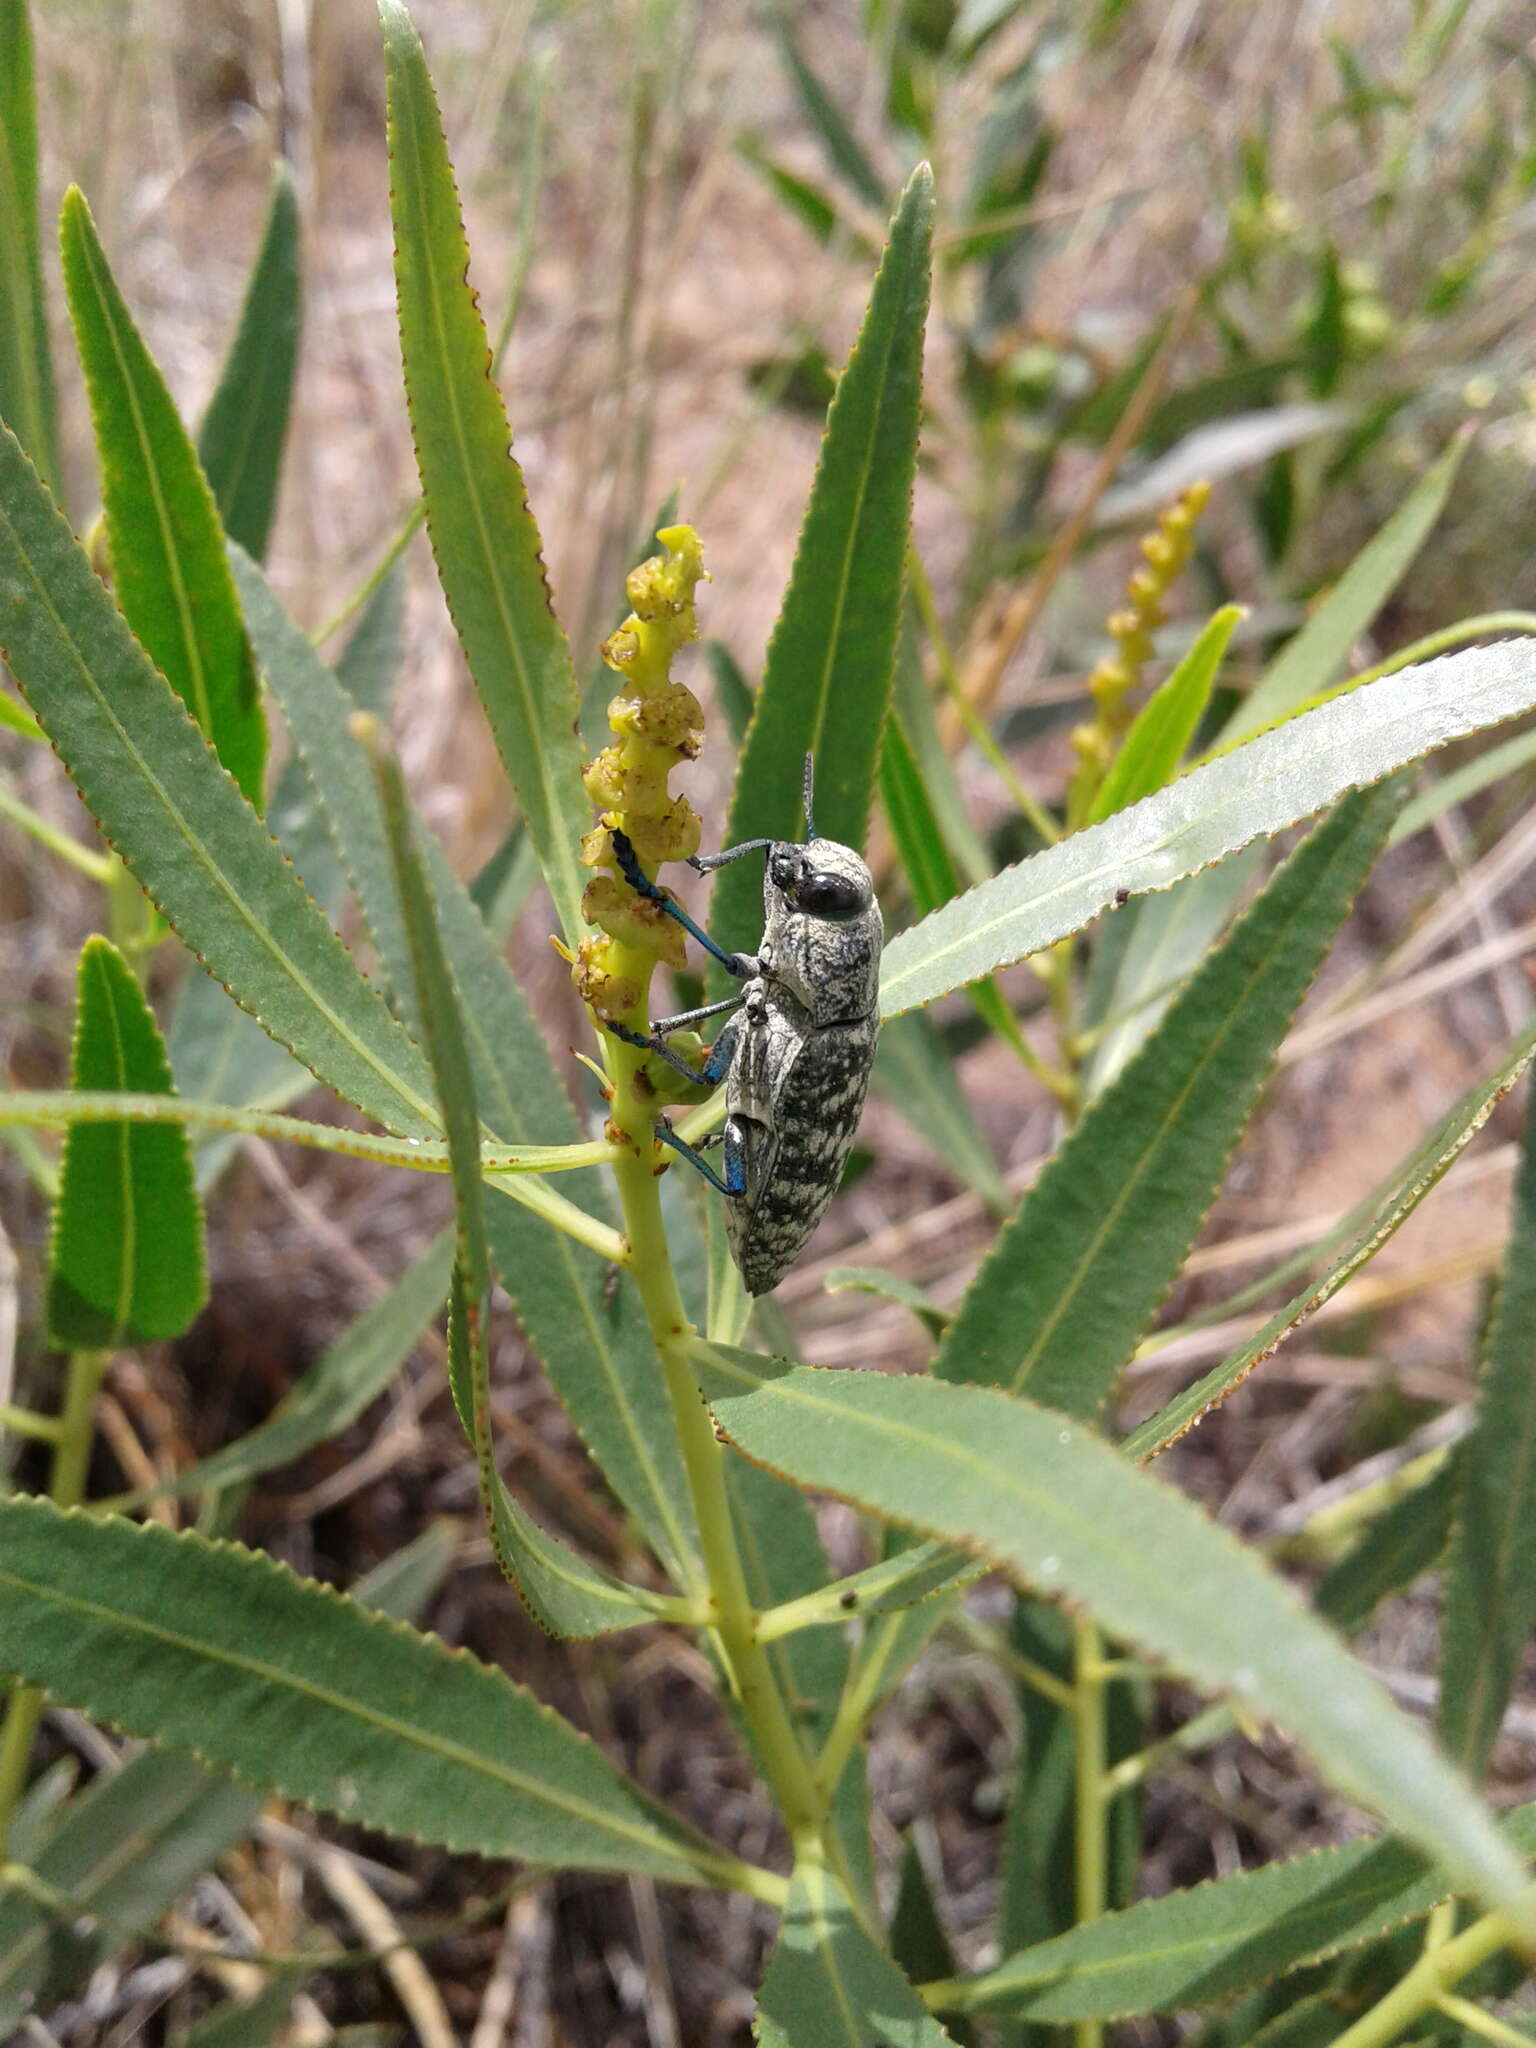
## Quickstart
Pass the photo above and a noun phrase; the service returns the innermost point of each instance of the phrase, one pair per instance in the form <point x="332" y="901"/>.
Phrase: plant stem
<point x="1431" y="1976"/>
<point x="71" y="1460"/>
<point x="97" y="865"/>
<point x="784" y="1761"/>
<point x="1088" y="1732"/>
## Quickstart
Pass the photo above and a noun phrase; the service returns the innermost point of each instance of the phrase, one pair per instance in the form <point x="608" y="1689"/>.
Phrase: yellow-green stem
<point x="71" y="1460"/>
<point x="735" y="1624"/>
<point x="1088" y="1732"/>
<point x="1432" y="1975"/>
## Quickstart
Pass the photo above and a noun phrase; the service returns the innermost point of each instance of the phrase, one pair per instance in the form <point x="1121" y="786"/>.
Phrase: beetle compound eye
<point x="832" y="896"/>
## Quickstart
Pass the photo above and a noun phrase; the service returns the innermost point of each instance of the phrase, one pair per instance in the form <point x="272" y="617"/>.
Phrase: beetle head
<point x="822" y="930"/>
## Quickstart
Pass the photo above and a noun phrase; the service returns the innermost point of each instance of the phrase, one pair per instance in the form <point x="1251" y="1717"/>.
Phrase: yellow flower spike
<point x="1164" y="553"/>
<point x="657" y="723"/>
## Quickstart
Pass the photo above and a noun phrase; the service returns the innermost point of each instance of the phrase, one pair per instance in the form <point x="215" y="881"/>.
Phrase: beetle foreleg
<point x="630" y="868"/>
<point x="715" y="1062"/>
<point x="735" y="1180"/>
<point x="663" y="1027"/>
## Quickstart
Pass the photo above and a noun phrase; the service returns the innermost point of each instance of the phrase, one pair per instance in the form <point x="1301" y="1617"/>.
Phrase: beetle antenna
<point x="810" y="773"/>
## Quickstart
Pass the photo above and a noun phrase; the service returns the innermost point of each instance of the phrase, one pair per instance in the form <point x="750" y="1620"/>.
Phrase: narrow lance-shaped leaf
<point x="160" y="796"/>
<point x="126" y="1262"/>
<point x="1402" y="1193"/>
<point x="1077" y="1275"/>
<point x="167" y="549"/>
<point x="1073" y="1519"/>
<point x="827" y="680"/>
<point x="567" y="1596"/>
<point x="245" y="428"/>
<point x="1258" y="789"/>
<point x="224" y="1652"/>
<point x="1197" y="1946"/>
<point x="218" y="1052"/>
<point x="131" y="1844"/>
<point x="483" y="535"/>
<point x="828" y="1986"/>
<point x="26" y="364"/>
<point x="1490" y="1580"/>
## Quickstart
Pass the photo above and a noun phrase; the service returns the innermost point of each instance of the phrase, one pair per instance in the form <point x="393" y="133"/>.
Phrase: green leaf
<point x="902" y="1579"/>
<point x="1157" y="741"/>
<point x="1256" y="790"/>
<point x="140" y="1835"/>
<point x="806" y="201"/>
<point x="564" y="1595"/>
<point x="26" y="365"/>
<point x="890" y="1287"/>
<point x="1405" y="1540"/>
<point x="919" y="1945"/>
<point x="916" y="1076"/>
<point x="126" y="1261"/>
<point x="1490" y="1579"/>
<point x="219" y="1053"/>
<point x="1071" y="1518"/>
<point x="836" y="137"/>
<point x="352" y="1373"/>
<point x="827" y="679"/>
<point x="1394" y="1203"/>
<point x="1075" y="1277"/>
<point x="240" y="442"/>
<point x="125" y="1850"/>
<point x="483" y="535"/>
<point x="160" y="796"/>
<point x="295" y="1689"/>
<point x="315" y="709"/>
<point x="828" y="1986"/>
<point x="168" y="565"/>
<point x="1196" y="1946"/>
<point x="1172" y="934"/>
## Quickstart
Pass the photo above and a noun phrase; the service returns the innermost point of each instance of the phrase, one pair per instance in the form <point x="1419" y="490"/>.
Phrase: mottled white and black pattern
<point x="802" y="1051"/>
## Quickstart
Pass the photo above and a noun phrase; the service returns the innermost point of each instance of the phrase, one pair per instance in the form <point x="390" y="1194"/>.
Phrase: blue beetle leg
<point x="714" y="1064"/>
<point x="735" y="1181"/>
<point x="630" y="868"/>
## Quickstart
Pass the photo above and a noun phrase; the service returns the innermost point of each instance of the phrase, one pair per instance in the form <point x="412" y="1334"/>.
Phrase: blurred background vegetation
<point x="1289" y="250"/>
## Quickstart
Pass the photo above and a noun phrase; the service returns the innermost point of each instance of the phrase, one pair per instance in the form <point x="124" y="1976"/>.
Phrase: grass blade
<point x="126" y="1262"/>
<point x="245" y="427"/>
<point x="1196" y="1946"/>
<point x="1077" y="1274"/>
<point x="1399" y="1197"/>
<point x="828" y="1986"/>
<point x="158" y="793"/>
<point x="168" y="565"/>
<point x="1070" y="1517"/>
<point x="1255" y="791"/>
<point x="565" y="1596"/>
<point x="483" y="535"/>
<point x="827" y="680"/>
<point x="300" y="1692"/>
<point x="1490" y="1580"/>
<point x="26" y="364"/>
